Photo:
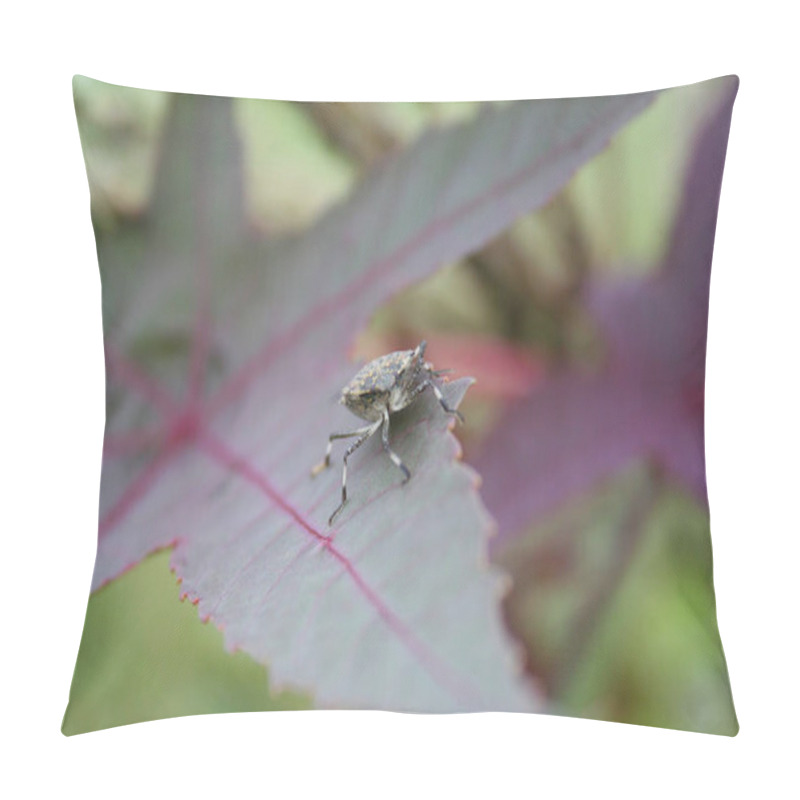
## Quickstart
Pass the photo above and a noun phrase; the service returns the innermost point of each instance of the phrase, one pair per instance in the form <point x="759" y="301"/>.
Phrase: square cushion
<point x="550" y="554"/>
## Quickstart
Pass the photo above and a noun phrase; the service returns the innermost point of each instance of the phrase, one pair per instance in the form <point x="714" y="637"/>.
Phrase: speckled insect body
<point x="388" y="384"/>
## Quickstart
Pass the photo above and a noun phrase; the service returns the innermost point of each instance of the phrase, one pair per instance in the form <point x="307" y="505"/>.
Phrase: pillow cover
<point x="255" y="255"/>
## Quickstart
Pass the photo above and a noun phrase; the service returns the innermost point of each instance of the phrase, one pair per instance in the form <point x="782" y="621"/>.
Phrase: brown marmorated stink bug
<point x="382" y="387"/>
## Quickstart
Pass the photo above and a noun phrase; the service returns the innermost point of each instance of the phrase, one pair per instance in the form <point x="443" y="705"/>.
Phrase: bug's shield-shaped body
<point x="389" y="383"/>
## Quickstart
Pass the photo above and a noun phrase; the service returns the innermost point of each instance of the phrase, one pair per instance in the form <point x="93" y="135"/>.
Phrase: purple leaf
<point x="647" y="401"/>
<point x="225" y="355"/>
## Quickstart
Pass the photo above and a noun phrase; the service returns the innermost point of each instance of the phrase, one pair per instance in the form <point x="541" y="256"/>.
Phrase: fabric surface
<point x="522" y="523"/>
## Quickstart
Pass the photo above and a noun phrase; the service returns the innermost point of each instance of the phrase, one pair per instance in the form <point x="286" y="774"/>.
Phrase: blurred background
<point x="612" y="600"/>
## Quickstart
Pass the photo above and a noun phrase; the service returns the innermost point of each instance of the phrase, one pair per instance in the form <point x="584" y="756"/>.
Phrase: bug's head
<point x="365" y="403"/>
<point x="419" y="352"/>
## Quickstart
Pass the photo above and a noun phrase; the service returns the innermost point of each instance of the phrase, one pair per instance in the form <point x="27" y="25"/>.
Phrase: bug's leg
<point x="326" y="462"/>
<point x="440" y="397"/>
<point x="443" y="403"/>
<point x="395" y="458"/>
<point x="366" y="433"/>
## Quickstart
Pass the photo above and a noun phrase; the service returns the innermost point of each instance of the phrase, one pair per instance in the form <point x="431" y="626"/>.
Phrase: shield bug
<point x="388" y="384"/>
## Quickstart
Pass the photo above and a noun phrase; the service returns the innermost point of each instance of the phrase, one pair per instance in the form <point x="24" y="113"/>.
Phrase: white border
<point x="52" y="393"/>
